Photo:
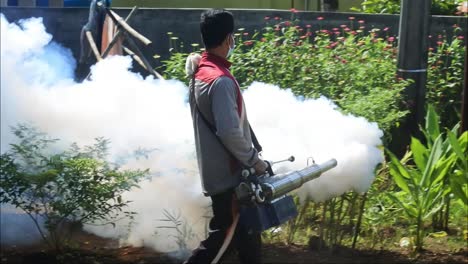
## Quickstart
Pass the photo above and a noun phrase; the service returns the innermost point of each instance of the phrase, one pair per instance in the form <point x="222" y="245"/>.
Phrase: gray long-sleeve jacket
<point x="220" y="102"/>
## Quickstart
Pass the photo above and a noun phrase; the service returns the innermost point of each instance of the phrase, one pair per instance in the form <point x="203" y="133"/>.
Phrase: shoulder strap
<point x="255" y="142"/>
<point x="211" y="127"/>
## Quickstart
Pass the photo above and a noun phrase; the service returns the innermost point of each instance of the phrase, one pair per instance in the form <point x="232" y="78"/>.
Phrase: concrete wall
<point x="65" y="24"/>
<point x="309" y="5"/>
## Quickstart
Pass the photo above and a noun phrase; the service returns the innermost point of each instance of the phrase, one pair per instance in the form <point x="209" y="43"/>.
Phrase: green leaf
<point x="458" y="185"/>
<point x="434" y="209"/>
<point x="408" y="208"/>
<point x="432" y="124"/>
<point x="399" y="173"/>
<point x="419" y="153"/>
<point x="434" y="156"/>
<point x="456" y="144"/>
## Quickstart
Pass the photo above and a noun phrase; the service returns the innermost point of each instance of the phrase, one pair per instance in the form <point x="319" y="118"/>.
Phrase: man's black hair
<point x="215" y="25"/>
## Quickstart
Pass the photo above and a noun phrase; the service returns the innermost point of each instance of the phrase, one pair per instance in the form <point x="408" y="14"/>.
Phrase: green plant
<point x="379" y="7"/>
<point x="439" y="7"/>
<point x="183" y="230"/>
<point x="77" y="186"/>
<point x="334" y="63"/>
<point x="381" y="215"/>
<point x="445" y="76"/>
<point x="459" y="178"/>
<point x="423" y="184"/>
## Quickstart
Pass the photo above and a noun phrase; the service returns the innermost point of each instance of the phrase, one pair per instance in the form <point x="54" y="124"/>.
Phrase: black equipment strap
<point x="255" y="142"/>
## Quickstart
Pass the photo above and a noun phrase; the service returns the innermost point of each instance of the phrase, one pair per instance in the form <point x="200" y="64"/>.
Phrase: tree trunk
<point x="329" y="5"/>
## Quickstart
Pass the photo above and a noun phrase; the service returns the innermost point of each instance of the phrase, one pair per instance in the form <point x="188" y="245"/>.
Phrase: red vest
<point x="211" y="67"/>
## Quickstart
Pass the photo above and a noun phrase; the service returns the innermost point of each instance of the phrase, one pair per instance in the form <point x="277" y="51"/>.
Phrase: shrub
<point x="439" y="7"/>
<point x="73" y="187"/>
<point x="425" y="172"/>
<point x="445" y="77"/>
<point x="354" y="68"/>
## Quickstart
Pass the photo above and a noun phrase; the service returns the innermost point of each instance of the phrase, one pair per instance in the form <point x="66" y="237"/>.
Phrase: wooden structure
<point x="116" y="36"/>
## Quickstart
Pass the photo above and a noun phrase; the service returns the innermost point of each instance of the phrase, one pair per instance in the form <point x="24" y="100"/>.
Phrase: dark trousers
<point x="223" y="223"/>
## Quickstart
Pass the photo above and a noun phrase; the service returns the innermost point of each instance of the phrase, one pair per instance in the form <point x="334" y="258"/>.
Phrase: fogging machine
<point x="264" y="199"/>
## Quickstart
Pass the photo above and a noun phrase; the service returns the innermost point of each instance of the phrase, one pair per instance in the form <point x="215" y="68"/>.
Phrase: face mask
<point x="231" y="49"/>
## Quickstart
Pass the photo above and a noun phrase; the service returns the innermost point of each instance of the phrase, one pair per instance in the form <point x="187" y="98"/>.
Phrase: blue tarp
<point x="76" y="3"/>
<point x="67" y="3"/>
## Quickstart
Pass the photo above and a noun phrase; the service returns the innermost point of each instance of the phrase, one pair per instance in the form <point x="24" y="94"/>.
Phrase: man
<point x="223" y="141"/>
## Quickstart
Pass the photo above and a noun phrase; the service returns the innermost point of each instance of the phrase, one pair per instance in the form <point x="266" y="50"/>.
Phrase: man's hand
<point x="260" y="167"/>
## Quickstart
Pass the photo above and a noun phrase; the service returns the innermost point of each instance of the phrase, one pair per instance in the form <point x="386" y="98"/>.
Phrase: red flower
<point x="353" y="32"/>
<point x="347" y="29"/>
<point x="460" y="37"/>
<point x="361" y="21"/>
<point x="308" y="26"/>
<point x="439" y="43"/>
<point x="248" y="42"/>
<point x="294" y="10"/>
<point x="385" y="29"/>
<point x="335" y="29"/>
<point x="391" y="39"/>
<point x="297" y="27"/>
<point x="334" y="44"/>
<point x="351" y="18"/>
<point x="431" y="49"/>
<point x="277" y="18"/>
<point x="344" y="61"/>
<point x="343" y="26"/>
<point x="320" y="18"/>
<point x="362" y="27"/>
<point x="245" y="33"/>
<point x="267" y="18"/>
<point x="277" y="28"/>
<point x="287" y="23"/>
<point x="337" y="33"/>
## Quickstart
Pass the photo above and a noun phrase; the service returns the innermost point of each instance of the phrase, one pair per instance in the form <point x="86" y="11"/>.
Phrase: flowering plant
<point x="352" y="65"/>
<point x="349" y="64"/>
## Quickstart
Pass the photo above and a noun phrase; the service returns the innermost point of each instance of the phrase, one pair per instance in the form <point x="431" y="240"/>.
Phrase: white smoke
<point x="315" y="129"/>
<point x="134" y="112"/>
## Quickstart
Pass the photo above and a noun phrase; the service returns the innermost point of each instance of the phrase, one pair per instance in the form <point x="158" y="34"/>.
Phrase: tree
<point x="69" y="188"/>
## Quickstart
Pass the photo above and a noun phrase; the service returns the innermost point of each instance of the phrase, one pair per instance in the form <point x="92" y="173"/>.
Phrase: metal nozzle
<point x="274" y="187"/>
<point x="291" y="159"/>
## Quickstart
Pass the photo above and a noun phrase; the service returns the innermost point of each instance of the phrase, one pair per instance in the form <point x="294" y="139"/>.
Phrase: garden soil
<point x="91" y="249"/>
